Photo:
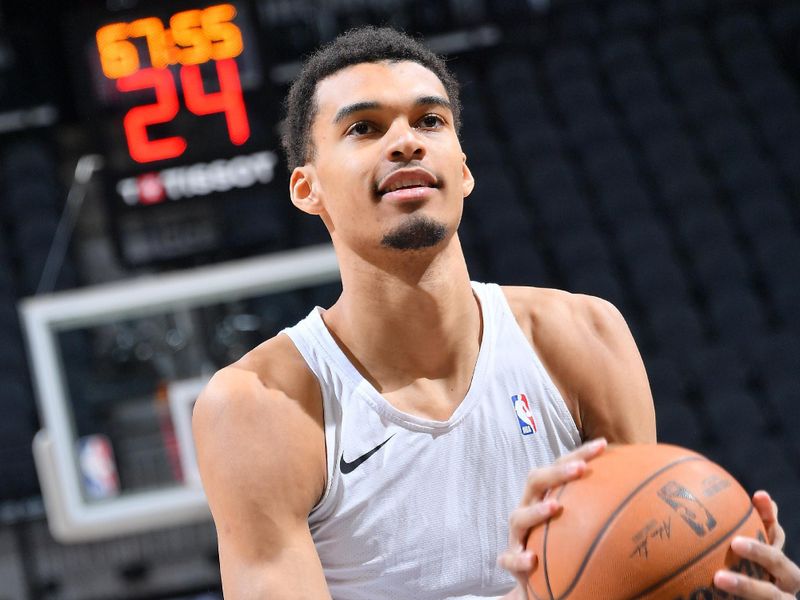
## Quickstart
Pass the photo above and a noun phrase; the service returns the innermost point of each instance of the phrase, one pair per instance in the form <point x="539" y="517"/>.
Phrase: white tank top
<point x="416" y="509"/>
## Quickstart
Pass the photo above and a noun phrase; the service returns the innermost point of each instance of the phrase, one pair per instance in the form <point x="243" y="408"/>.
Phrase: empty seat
<point x="728" y="138"/>
<point x="611" y="160"/>
<point x="580" y="249"/>
<point x="635" y="88"/>
<point x="677" y="423"/>
<point x="680" y="9"/>
<point x="552" y="176"/>
<point x="679" y="40"/>
<point x="751" y="63"/>
<point x="780" y="127"/>
<point x="643" y="235"/>
<point x="711" y="102"/>
<point x="704" y="225"/>
<point x="666" y="152"/>
<point x="735" y="410"/>
<point x="696" y="67"/>
<point x="762" y="212"/>
<point x="778" y="255"/>
<point x="630" y="15"/>
<point x="516" y="262"/>
<point x="683" y="191"/>
<point x="620" y="200"/>
<point x="568" y="61"/>
<point x="525" y="105"/>
<point x="721" y="268"/>
<point x="591" y="128"/>
<point x="737" y="317"/>
<point x="737" y="30"/>
<point x="534" y="137"/>
<point x="677" y="328"/>
<point x="512" y="70"/>
<point x="623" y="53"/>
<point x="771" y="93"/>
<point x="657" y="278"/>
<point x="653" y="118"/>
<point x="576" y="20"/>
<point x="720" y="367"/>
<point x="577" y="96"/>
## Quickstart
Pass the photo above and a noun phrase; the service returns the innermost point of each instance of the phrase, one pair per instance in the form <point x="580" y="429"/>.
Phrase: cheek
<point x="345" y="174"/>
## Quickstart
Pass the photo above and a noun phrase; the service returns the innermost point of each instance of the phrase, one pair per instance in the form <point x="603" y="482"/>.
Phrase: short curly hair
<point x="361" y="45"/>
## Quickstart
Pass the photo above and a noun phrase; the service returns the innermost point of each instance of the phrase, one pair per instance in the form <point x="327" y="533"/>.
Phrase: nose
<point x="405" y="144"/>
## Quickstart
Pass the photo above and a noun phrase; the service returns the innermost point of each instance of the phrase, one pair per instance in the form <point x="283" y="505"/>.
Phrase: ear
<point x="468" y="181"/>
<point x="304" y="189"/>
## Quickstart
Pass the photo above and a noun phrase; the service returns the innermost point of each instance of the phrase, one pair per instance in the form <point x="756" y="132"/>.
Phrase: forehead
<point x="386" y="82"/>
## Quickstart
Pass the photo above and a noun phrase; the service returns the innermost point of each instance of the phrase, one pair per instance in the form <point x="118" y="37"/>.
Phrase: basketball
<point x="646" y="521"/>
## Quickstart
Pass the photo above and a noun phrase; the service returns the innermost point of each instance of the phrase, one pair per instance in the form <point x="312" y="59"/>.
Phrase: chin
<point x="418" y="232"/>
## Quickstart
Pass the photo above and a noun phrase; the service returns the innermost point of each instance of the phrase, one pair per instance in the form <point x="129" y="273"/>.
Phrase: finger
<point x="524" y="518"/>
<point x="746" y="588"/>
<point x="766" y="507"/>
<point x="768" y="511"/>
<point x="585" y="452"/>
<point x="519" y="564"/>
<point x="564" y="469"/>
<point x="545" y="478"/>
<point x="777" y="564"/>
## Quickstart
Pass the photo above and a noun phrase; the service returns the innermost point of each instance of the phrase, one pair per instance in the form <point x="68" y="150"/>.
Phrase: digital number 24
<point x="227" y="100"/>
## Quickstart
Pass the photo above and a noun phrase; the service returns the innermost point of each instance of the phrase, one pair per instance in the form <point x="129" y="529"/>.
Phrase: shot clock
<point x="194" y="37"/>
<point x="173" y="93"/>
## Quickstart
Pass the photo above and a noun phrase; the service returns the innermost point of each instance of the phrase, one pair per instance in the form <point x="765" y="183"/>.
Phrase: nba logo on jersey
<point x="524" y="415"/>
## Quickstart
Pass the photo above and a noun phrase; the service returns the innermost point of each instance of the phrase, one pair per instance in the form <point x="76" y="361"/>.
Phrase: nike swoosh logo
<point x="348" y="467"/>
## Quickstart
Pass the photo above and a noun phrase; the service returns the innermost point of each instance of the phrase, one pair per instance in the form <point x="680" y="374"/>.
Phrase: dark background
<point x="647" y="152"/>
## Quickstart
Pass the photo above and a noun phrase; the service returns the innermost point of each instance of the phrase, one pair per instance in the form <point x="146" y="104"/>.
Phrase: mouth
<point x="407" y="184"/>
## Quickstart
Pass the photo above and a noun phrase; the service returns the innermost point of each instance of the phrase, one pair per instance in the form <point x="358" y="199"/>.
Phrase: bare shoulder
<point x="260" y="443"/>
<point x="551" y="314"/>
<point x="589" y="352"/>
<point x="270" y="380"/>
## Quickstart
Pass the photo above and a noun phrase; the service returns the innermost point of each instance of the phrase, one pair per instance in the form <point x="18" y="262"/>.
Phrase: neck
<point x="417" y="318"/>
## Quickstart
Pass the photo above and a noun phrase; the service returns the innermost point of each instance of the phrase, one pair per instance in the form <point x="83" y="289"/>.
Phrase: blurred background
<point x="644" y="151"/>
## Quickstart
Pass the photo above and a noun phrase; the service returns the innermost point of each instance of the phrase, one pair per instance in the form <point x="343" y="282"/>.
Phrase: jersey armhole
<point x="556" y="399"/>
<point x="328" y="421"/>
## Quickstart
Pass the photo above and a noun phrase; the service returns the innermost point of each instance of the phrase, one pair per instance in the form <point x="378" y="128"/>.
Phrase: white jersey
<point x="416" y="509"/>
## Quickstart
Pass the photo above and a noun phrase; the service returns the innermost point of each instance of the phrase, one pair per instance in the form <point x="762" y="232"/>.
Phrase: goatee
<point x="414" y="234"/>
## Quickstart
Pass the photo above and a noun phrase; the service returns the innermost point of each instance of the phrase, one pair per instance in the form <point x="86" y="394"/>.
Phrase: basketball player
<point x="377" y="448"/>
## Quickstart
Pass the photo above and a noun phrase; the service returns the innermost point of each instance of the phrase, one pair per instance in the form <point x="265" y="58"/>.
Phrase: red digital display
<point x="194" y="37"/>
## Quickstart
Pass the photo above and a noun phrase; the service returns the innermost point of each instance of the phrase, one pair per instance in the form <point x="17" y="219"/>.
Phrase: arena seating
<point x="645" y="151"/>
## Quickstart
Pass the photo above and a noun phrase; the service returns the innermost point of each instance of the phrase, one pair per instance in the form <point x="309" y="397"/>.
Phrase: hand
<point x="535" y="509"/>
<point x="770" y="556"/>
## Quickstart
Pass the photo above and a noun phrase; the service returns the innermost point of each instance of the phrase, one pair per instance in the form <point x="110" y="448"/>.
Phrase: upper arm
<point x="589" y="352"/>
<point x="258" y="453"/>
<point x="614" y="396"/>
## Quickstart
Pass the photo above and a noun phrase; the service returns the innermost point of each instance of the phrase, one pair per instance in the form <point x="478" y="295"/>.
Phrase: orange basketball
<point x="646" y="521"/>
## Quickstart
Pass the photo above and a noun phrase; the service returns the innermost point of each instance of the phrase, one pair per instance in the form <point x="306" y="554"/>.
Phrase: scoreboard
<point x="174" y="96"/>
<point x="194" y="37"/>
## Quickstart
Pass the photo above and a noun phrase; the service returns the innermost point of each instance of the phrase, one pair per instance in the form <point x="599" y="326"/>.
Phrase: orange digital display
<point x="194" y="37"/>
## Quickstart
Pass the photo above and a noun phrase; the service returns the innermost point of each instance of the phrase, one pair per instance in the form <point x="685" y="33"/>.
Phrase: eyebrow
<point x="350" y="109"/>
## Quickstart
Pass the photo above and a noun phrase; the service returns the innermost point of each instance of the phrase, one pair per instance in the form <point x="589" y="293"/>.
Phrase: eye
<point x="361" y="128"/>
<point x="431" y="121"/>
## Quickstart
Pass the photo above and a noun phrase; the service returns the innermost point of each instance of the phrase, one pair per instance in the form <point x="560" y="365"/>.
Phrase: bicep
<point x="257" y="453"/>
<point x="616" y="402"/>
<point x="289" y="570"/>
